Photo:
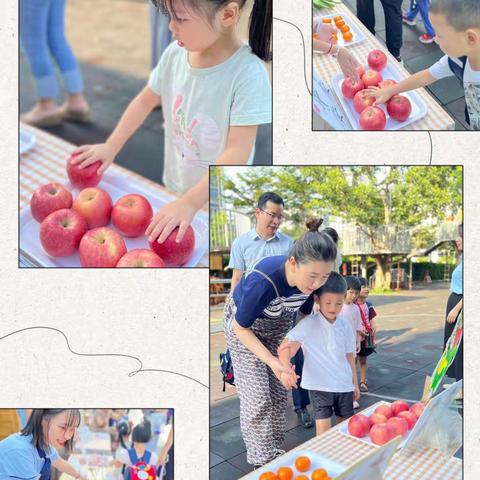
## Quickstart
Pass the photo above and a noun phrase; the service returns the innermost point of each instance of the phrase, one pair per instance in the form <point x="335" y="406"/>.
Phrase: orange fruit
<point x="284" y="473"/>
<point x="326" y="20"/>
<point x="301" y="477"/>
<point x="345" y="29"/>
<point x="340" y="23"/>
<point x="302" y="464"/>
<point x="268" y="476"/>
<point x="348" y="36"/>
<point x="337" y="18"/>
<point x="319" y="474"/>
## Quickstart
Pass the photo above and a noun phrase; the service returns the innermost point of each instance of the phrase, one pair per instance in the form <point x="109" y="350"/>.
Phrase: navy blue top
<point x="255" y="296"/>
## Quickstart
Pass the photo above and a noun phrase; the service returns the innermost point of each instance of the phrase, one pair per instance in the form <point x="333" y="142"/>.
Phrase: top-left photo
<point x="123" y="106"/>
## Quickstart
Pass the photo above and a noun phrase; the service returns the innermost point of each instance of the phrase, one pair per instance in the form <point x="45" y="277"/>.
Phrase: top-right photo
<point x="396" y="65"/>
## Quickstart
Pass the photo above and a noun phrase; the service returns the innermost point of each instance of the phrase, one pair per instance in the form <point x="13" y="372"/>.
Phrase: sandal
<point x="363" y="387"/>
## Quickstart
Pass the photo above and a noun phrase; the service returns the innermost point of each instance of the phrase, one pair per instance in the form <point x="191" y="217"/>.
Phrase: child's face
<point x="59" y="431"/>
<point x="452" y="42"/>
<point x="363" y="293"/>
<point x="194" y="30"/>
<point x="330" y="304"/>
<point x="351" y="295"/>
<point x="310" y="276"/>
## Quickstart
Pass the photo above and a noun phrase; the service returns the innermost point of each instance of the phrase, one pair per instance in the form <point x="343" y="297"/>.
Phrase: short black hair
<point x="363" y="281"/>
<point x="333" y="234"/>
<point x="353" y="283"/>
<point x="335" y="284"/>
<point x="269" y="197"/>
<point x="142" y="433"/>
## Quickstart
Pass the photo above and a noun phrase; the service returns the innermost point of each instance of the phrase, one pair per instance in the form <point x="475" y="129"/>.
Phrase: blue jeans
<point x="42" y="32"/>
<point x="299" y="395"/>
<point x="421" y="6"/>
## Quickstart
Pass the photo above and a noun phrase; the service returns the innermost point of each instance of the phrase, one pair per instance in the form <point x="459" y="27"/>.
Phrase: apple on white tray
<point x="131" y="215"/>
<point x="49" y="198"/>
<point x="140" y="258"/>
<point x="94" y="205"/>
<point x="101" y="247"/>
<point x="172" y="253"/>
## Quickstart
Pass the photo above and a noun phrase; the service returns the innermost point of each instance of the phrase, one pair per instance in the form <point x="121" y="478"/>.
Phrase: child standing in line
<point x="421" y="6"/>
<point x="367" y="346"/>
<point x="214" y="91"/>
<point x="457" y="27"/>
<point x="329" y="345"/>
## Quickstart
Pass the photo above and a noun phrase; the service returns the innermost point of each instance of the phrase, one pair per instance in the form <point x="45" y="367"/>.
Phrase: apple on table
<point x="399" y="108"/>
<point x="372" y="118"/>
<point x="83" y="177"/>
<point x="95" y="206"/>
<point x="49" y="198"/>
<point x="351" y="87"/>
<point x="140" y="258"/>
<point x="371" y="78"/>
<point x="377" y="60"/>
<point x="172" y="253"/>
<point x="131" y="215"/>
<point x="101" y="247"/>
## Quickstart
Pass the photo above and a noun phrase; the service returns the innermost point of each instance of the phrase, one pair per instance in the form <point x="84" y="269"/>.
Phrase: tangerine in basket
<point x="319" y="474"/>
<point x="340" y="23"/>
<point x="348" y="36"/>
<point x="336" y="18"/>
<point x="284" y="473"/>
<point x="326" y="20"/>
<point x="301" y="477"/>
<point x="345" y="29"/>
<point x="302" y="464"/>
<point x="268" y="476"/>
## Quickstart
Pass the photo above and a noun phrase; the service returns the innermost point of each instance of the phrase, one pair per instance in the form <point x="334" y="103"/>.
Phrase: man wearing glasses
<point x="265" y="240"/>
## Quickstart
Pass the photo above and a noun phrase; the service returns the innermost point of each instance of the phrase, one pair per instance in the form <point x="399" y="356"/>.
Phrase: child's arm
<point x="358" y="338"/>
<point x="351" y="361"/>
<point x="287" y="350"/>
<point x="135" y="114"/>
<point x="417" y="80"/>
<point x="162" y="456"/>
<point x="180" y="213"/>
<point x="65" y="467"/>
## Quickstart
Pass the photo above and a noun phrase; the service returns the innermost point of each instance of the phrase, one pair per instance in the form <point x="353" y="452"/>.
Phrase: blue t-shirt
<point x="19" y="458"/>
<point x="255" y="296"/>
<point x="456" y="285"/>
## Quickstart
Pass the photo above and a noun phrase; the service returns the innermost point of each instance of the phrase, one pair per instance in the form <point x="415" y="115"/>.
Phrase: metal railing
<point x="225" y="226"/>
<point x="218" y="295"/>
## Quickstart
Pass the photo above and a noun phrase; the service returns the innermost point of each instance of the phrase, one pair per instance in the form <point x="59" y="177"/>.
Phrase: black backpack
<point x="226" y="368"/>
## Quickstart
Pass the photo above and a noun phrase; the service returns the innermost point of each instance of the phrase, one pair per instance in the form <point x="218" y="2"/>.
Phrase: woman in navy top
<point x="258" y="315"/>
<point x="31" y="453"/>
<point x="454" y="307"/>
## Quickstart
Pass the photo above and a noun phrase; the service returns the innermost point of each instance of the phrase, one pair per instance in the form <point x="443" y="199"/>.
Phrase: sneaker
<point x="356" y="405"/>
<point x="425" y="38"/>
<point x="399" y="60"/>
<point x="305" y="418"/>
<point x="406" y="20"/>
<point x="42" y="117"/>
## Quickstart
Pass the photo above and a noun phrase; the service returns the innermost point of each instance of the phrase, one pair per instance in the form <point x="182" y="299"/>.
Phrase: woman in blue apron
<point x="258" y="314"/>
<point x="31" y="453"/>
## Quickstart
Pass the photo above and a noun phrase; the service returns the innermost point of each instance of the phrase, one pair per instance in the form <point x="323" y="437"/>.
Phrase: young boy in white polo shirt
<point x="329" y="343"/>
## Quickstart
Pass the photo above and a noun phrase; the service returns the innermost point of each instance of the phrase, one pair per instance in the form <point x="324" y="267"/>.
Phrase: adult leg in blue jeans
<point x="299" y="395"/>
<point x="42" y="33"/>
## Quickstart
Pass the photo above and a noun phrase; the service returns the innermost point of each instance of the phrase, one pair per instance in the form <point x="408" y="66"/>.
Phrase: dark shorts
<point x="325" y="404"/>
<point x="364" y="351"/>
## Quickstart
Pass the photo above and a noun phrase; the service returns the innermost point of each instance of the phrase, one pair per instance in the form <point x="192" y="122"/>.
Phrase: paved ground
<point x="410" y="343"/>
<point x="112" y="41"/>
<point x="417" y="56"/>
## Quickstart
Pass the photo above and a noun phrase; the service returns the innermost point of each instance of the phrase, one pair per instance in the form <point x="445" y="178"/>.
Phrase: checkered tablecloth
<point x="46" y="162"/>
<point x="427" y="464"/>
<point x="327" y="67"/>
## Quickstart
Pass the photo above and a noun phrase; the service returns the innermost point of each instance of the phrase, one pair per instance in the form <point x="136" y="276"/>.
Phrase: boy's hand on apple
<point x="88" y="154"/>
<point x="382" y="95"/>
<point x="178" y="213"/>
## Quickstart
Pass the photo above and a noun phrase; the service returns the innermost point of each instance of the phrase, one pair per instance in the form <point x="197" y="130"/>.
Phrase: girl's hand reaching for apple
<point x="175" y="214"/>
<point x="382" y="95"/>
<point x="88" y="154"/>
<point x="348" y="63"/>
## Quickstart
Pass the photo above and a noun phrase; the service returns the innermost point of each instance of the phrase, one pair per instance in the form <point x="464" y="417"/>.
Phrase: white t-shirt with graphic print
<point x="200" y="104"/>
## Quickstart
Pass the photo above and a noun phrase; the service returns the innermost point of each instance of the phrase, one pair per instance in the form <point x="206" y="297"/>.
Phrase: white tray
<point x="419" y="107"/>
<point x="288" y="460"/>
<point x="358" y="35"/>
<point x="343" y="428"/>
<point x="116" y="185"/>
<point x="27" y="141"/>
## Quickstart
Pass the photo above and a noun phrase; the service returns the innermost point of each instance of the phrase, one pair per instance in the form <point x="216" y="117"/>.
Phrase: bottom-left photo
<point x="87" y="444"/>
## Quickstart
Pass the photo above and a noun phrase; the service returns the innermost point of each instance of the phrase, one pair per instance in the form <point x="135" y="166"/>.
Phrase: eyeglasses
<point x="272" y="215"/>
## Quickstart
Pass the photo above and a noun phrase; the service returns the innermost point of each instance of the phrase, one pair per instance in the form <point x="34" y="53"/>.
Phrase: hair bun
<point x="314" y="224"/>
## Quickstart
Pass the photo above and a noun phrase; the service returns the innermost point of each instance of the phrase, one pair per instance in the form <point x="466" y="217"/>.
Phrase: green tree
<point x="367" y="197"/>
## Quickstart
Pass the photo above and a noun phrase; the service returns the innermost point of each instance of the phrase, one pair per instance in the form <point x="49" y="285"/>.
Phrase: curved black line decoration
<point x="431" y="147"/>
<point x="304" y="52"/>
<point x="130" y="374"/>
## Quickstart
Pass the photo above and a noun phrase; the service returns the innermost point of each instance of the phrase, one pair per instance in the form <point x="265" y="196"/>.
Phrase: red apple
<point x="410" y="417"/>
<point x="61" y="232"/>
<point x="360" y="71"/>
<point x="377" y="60"/>
<point x="362" y="100"/>
<point x="384" y="410"/>
<point x="388" y="82"/>
<point x="141" y="257"/>
<point x="95" y="206"/>
<point x="399" y="425"/>
<point x="399" y="406"/>
<point x="371" y="78"/>
<point x="377" y="418"/>
<point x="372" y="118"/>
<point x="101" y="247"/>
<point x="350" y="87"/>
<point x="173" y="253"/>
<point x="48" y="198"/>
<point x="358" y="425"/>
<point x="83" y="177"/>
<point x="399" y="108"/>
<point x="417" y="409"/>
<point x="381" y="433"/>
<point x="131" y="215"/>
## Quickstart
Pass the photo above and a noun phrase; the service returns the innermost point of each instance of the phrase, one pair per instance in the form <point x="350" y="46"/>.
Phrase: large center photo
<point x="336" y="322"/>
